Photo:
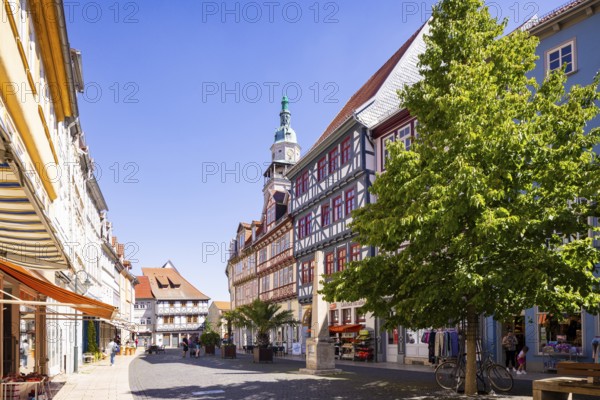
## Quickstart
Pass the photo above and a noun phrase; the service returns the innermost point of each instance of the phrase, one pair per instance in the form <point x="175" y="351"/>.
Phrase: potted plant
<point x="262" y="317"/>
<point x="209" y="339"/>
<point x="228" y="349"/>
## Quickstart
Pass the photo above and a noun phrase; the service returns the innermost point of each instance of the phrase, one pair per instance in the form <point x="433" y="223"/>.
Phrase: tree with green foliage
<point x="490" y="206"/>
<point x="262" y="317"/>
<point x="92" y="346"/>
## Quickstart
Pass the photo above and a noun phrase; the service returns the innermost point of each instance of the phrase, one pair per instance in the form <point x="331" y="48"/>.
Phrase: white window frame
<point x="573" y="43"/>
<point x="405" y="135"/>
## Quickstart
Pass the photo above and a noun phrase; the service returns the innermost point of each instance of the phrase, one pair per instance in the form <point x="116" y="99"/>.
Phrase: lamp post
<point x="85" y="281"/>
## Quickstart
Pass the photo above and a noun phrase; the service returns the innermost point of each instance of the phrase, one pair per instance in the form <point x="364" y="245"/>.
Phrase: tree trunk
<point x="471" y="367"/>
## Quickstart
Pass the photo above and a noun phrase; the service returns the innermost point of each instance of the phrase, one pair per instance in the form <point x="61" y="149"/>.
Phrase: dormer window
<point x="241" y="240"/>
<point x="271" y="214"/>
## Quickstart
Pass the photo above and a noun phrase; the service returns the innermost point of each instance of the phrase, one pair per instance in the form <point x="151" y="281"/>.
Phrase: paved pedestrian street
<point x="168" y="376"/>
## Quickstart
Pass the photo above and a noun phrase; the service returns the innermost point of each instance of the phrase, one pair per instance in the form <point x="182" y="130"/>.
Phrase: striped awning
<point x="65" y="297"/>
<point x="24" y="238"/>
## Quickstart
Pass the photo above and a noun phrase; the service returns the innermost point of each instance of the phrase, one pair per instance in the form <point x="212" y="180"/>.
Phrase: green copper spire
<point x="284" y="103"/>
<point x="285" y="133"/>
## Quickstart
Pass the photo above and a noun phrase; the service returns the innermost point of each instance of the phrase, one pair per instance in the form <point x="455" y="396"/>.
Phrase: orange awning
<point x="345" y="328"/>
<point x="84" y="304"/>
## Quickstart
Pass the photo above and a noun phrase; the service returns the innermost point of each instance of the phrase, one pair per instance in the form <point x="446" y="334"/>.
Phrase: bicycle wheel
<point x="449" y="375"/>
<point x="500" y="378"/>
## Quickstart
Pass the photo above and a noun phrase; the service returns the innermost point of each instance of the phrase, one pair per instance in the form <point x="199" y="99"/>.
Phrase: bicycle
<point x="451" y="374"/>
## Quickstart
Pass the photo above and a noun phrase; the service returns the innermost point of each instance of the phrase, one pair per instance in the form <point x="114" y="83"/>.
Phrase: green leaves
<point x="481" y="213"/>
<point x="262" y="317"/>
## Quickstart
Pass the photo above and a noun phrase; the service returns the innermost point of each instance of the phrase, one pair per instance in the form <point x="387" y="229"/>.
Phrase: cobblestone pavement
<point x="168" y="376"/>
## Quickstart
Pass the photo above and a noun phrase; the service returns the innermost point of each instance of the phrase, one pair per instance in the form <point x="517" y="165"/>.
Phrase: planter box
<point x="209" y="349"/>
<point x="228" y="351"/>
<point x="262" y="354"/>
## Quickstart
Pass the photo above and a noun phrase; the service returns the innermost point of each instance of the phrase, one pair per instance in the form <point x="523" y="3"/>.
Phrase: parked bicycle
<point x="451" y="374"/>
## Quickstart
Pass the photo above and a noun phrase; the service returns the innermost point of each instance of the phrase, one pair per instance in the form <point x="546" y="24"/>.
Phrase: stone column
<point x="320" y="351"/>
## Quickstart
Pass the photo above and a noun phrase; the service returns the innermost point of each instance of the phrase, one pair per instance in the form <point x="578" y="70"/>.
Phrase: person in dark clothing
<point x="186" y="346"/>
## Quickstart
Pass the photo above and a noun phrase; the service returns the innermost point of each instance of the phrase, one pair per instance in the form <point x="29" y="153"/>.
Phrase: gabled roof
<point x="172" y="285"/>
<point x="222" y="305"/>
<point x="367" y="91"/>
<point x="143" y="289"/>
<point x="536" y="21"/>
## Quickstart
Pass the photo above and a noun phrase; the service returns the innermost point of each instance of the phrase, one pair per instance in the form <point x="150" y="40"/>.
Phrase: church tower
<point x="285" y="153"/>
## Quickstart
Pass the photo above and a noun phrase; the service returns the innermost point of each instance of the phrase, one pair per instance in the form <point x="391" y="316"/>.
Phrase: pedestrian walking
<point x="509" y="343"/>
<point x="522" y="361"/>
<point x="112" y="348"/>
<point x="24" y="352"/>
<point x="198" y="346"/>
<point x="185" y="344"/>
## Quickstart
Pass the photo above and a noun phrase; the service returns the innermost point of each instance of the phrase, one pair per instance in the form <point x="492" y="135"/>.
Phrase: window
<point x="271" y="214"/>
<point x="241" y="240"/>
<point x="355" y="252"/>
<point x="334" y="317"/>
<point x="298" y="186"/>
<point x="325" y="214"/>
<point x="301" y="186"/>
<point x="304" y="226"/>
<point x="143" y="321"/>
<point x="301" y="228"/>
<point x="322" y="169"/>
<point x="262" y="256"/>
<point x="265" y="283"/>
<point x="170" y="320"/>
<point x="347" y="315"/>
<point x="148" y="321"/>
<point x="404" y="136"/>
<point x="329" y="264"/>
<point x="561" y="332"/>
<point x="333" y="160"/>
<point x="345" y="151"/>
<point x="306" y="272"/>
<point x="386" y="142"/>
<point x="194" y="304"/>
<point x="393" y="336"/>
<point x="337" y="208"/>
<point x="360" y="317"/>
<point x="350" y="201"/>
<point x="341" y="259"/>
<point x="564" y="55"/>
<point x="171" y="304"/>
<point x="305" y="182"/>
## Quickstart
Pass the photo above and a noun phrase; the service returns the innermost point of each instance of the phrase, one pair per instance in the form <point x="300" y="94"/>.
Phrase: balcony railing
<point x="283" y="258"/>
<point x="181" y="310"/>
<point x="178" y="327"/>
<point x="280" y="293"/>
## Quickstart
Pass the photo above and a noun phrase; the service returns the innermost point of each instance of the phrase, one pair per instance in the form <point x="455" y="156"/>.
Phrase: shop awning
<point x="24" y="238"/>
<point x="345" y="328"/>
<point x="84" y="304"/>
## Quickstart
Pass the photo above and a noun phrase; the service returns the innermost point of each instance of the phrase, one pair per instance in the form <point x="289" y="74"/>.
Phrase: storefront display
<point x="562" y="333"/>
<point x="30" y="386"/>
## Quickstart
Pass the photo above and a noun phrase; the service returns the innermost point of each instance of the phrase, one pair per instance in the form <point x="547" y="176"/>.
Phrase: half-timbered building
<point x="333" y="179"/>
<point x="262" y="263"/>
<point x="180" y="309"/>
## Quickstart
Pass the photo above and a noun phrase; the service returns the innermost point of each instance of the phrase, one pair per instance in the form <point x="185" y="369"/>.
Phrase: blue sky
<point x="182" y="101"/>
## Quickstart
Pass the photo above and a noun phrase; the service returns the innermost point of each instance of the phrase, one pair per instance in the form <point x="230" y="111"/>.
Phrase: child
<point x="521" y="358"/>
